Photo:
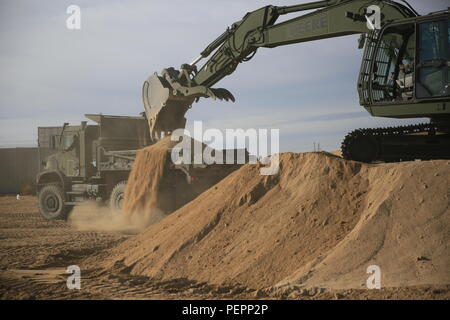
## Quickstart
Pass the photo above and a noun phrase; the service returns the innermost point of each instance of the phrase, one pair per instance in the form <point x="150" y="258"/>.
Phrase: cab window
<point x="67" y="142"/>
<point x="393" y="65"/>
<point x="434" y="59"/>
<point x="54" y="142"/>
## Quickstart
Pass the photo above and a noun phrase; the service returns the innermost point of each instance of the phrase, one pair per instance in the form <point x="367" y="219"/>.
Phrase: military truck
<point x="92" y="162"/>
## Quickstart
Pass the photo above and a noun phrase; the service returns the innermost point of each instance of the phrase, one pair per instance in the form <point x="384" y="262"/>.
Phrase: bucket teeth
<point x="223" y="94"/>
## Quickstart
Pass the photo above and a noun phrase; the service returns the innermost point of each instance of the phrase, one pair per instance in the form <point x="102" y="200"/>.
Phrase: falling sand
<point x="141" y="194"/>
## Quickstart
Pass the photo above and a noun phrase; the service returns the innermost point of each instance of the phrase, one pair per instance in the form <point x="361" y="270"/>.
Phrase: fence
<point x="18" y="169"/>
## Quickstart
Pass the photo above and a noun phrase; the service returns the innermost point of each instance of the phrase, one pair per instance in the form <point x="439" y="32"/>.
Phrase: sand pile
<point x="320" y="222"/>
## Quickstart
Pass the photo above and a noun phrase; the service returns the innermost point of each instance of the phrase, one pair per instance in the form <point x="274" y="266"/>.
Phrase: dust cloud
<point x="92" y="216"/>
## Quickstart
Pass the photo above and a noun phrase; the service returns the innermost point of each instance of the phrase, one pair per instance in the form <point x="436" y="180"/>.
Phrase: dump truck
<point x="405" y="71"/>
<point x="93" y="161"/>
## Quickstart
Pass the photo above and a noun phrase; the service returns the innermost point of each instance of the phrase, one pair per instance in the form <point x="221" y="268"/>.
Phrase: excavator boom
<point x="168" y="95"/>
<point x="405" y="71"/>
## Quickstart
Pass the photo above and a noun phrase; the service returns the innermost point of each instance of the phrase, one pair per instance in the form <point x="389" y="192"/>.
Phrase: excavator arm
<point x="167" y="96"/>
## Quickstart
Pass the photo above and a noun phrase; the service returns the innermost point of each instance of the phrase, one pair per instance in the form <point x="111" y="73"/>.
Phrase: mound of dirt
<point x="319" y="223"/>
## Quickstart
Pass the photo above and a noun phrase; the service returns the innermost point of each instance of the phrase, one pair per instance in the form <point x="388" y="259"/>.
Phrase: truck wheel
<point x="116" y="199"/>
<point x="51" y="202"/>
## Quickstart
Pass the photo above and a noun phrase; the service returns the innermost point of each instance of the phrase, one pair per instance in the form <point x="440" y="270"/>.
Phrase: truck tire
<point x="51" y="202"/>
<point x="117" y="197"/>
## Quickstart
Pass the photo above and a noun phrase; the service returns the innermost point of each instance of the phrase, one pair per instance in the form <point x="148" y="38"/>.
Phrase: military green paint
<point x="411" y="110"/>
<point x="308" y="26"/>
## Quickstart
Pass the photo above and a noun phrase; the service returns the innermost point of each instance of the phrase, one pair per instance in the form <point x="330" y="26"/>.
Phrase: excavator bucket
<point x="164" y="108"/>
<point x="169" y="95"/>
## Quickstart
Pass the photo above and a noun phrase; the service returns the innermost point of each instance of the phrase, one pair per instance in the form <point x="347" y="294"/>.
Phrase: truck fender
<point x="50" y="176"/>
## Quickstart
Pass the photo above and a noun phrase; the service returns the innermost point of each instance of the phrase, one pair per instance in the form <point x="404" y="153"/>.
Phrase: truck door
<point x="70" y="145"/>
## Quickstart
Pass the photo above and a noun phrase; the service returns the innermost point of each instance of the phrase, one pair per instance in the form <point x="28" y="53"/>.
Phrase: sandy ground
<point x="35" y="253"/>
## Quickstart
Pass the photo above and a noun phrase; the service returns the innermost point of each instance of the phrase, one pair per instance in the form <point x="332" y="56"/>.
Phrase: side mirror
<point x="361" y="41"/>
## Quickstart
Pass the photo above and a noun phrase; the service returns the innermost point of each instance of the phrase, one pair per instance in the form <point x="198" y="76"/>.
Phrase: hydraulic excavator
<point x="405" y="71"/>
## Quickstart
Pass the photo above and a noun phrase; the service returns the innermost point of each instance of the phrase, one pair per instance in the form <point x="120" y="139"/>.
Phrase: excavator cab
<point x="407" y="63"/>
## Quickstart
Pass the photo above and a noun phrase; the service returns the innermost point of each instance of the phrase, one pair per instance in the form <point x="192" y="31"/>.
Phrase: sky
<point x="50" y="74"/>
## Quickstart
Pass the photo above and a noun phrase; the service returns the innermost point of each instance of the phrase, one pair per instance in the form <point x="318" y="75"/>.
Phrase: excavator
<point x="405" y="72"/>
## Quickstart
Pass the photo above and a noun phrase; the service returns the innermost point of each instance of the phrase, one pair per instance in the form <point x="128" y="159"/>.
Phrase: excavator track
<point x="424" y="141"/>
